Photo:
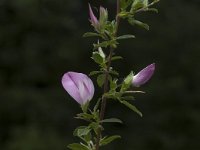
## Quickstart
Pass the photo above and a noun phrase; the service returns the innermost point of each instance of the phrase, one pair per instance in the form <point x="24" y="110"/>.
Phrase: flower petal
<point x="79" y="86"/>
<point x="143" y="76"/>
<point x="93" y="18"/>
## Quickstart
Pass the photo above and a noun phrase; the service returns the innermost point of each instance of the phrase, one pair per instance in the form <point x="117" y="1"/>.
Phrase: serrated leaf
<point x="112" y="120"/>
<point x="107" y="140"/>
<point x="77" y="146"/>
<point x="132" y="107"/>
<point x="90" y="34"/>
<point x="128" y="36"/>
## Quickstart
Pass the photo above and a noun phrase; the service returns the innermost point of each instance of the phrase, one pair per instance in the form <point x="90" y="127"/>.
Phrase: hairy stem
<point x="106" y="80"/>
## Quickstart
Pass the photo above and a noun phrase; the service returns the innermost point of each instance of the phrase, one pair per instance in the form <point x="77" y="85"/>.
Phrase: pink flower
<point x="93" y="18"/>
<point x="79" y="86"/>
<point x="143" y="76"/>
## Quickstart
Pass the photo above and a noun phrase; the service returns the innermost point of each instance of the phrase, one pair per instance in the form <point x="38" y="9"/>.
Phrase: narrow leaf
<point x="116" y="120"/>
<point x="90" y="34"/>
<point x="132" y="107"/>
<point x="77" y="146"/>
<point x="107" y="140"/>
<point x="128" y="36"/>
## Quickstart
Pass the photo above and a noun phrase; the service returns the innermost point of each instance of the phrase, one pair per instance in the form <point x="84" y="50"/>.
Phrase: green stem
<point x="106" y="81"/>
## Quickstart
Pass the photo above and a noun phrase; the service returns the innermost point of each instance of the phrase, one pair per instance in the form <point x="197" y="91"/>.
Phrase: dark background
<point x="40" y="40"/>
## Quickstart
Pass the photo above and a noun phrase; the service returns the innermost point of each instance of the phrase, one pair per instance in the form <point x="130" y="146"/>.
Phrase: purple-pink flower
<point x="143" y="76"/>
<point x="79" y="86"/>
<point x="93" y="18"/>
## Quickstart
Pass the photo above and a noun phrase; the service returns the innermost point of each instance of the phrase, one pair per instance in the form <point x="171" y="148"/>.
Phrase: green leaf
<point x="91" y="34"/>
<point x="113" y="85"/>
<point x="100" y="80"/>
<point x="132" y="107"/>
<point x="97" y="105"/>
<point x="77" y="146"/>
<point x="81" y="131"/>
<point x="84" y="116"/>
<point x="153" y="10"/>
<point x="127" y="82"/>
<point x="114" y="72"/>
<point x="97" y="58"/>
<point x="128" y="36"/>
<point x="107" y="140"/>
<point x="92" y="73"/>
<point x="137" y="4"/>
<point x="138" y="23"/>
<point x="116" y="120"/>
<point x="101" y="53"/>
<point x="116" y="58"/>
<point x="127" y="98"/>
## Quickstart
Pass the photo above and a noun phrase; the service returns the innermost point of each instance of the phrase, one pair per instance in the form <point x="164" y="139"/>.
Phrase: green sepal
<point x="127" y="82"/>
<point x="107" y="140"/>
<point x="85" y="106"/>
<point x="77" y="146"/>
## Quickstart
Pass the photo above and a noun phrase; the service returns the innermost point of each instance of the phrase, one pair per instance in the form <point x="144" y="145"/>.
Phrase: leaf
<point x="153" y="10"/>
<point x="101" y="53"/>
<point x="113" y="85"/>
<point x="100" y="80"/>
<point x="97" y="105"/>
<point x="77" y="146"/>
<point x="107" y="140"/>
<point x="84" y="116"/>
<point x="81" y="131"/>
<point x="137" y="4"/>
<point x="116" y="120"/>
<point x="114" y="72"/>
<point x="116" y="58"/>
<point x="95" y="73"/>
<point x="97" y="58"/>
<point x="128" y="36"/>
<point x="90" y="34"/>
<point x="127" y="98"/>
<point x="132" y="107"/>
<point x="138" y="23"/>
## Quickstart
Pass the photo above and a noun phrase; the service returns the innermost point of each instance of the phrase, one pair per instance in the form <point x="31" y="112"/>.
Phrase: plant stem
<point x="106" y="81"/>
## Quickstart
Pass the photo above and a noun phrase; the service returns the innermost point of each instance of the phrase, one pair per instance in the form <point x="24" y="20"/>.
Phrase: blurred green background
<point x="40" y="40"/>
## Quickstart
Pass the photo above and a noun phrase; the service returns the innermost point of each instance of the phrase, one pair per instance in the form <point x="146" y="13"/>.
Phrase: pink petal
<point x="143" y="76"/>
<point x="79" y="86"/>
